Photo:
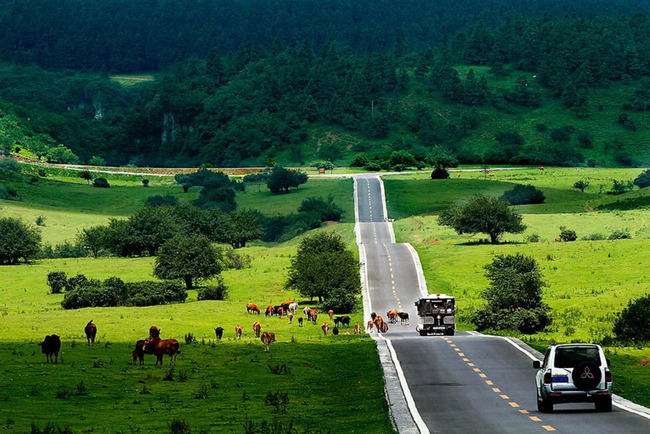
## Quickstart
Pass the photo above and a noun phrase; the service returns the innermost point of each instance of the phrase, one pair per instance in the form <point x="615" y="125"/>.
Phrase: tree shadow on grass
<point x="485" y="242"/>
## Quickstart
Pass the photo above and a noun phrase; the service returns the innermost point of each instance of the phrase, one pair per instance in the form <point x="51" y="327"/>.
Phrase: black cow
<point x="344" y="320"/>
<point x="404" y="317"/>
<point x="219" y="332"/>
<point x="335" y="331"/>
<point x="300" y="321"/>
<point x="51" y="346"/>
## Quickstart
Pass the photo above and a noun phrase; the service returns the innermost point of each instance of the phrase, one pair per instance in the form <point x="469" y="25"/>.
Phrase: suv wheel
<point x="604" y="404"/>
<point x="545" y="406"/>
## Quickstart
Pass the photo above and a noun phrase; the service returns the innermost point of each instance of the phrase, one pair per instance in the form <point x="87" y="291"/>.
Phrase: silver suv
<point x="573" y="373"/>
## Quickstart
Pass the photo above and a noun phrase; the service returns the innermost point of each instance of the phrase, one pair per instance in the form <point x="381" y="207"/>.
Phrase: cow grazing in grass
<point x="345" y="320"/>
<point x="293" y="308"/>
<point x="91" y="332"/>
<point x="335" y="331"/>
<point x="51" y="346"/>
<point x="267" y="338"/>
<point x="313" y="314"/>
<point x="330" y="313"/>
<point x="285" y="305"/>
<point x="238" y="331"/>
<point x="219" y="332"/>
<point x="307" y="311"/>
<point x="357" y="329"/>
<point x="404" y="317"/>
<point x="280" y="311"/>
<point x="257" y="328"/>
<point x="290" y="316"/>
<point x="300" y="320"/>
<point x="325" y="327"/>
<point x="269" y="310"/>
<point x="252" y="308"/>
<point x="138" y="352"/>
<point x="160" y="347"/>
<point x="370" y="326"/>
<point x="154" y="332"/>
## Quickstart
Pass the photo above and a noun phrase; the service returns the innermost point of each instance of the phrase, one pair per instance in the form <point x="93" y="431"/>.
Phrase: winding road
<point x="468" y="383"/>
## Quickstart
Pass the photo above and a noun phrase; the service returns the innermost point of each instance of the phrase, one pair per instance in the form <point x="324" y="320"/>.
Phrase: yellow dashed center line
<point x="504" y="396"/>
<point x="548" y="427"/>
<point x="523" y="411"/>
<point x="482" y="375"/>
<point x="535" y="418"/>
<point x="477" y="370"/>
<point x="513" y="404"/>
<point x="489" y="383"/>
<point x="460" y="354"/>
<point x="470" y="364"/>
<point x="496" y="390"/>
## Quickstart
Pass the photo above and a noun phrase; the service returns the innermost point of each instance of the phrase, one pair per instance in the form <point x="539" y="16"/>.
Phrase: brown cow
<point x="138" y="352"/>
<point x="269" y="310"/>
<point x="330" y="313"/>
<point x="280" y="311"/>
<point x="392" y="316"/>
<point x="378" y="322"/>
<point x="91" y="332"/>
<point x="370" y="325"/>
<point x="314" y="315"/>
<point x="285" y="305"/>
<point x="325" y="328"/>
<point x="51" y="346"/>
<point x="257" y="328"/>
<point x="238" y="331"/>
<point x="383" y="328"/>
<point x="290" y="316"/>
<point x="300" y="321"/>
<point x="373" y="316"/>
<point x="160" y="347"/>
<point x="252" y="307"/>
<point x="154" y="332"/>
<point x="357" y="329"/>
<point x="267" y="338"/>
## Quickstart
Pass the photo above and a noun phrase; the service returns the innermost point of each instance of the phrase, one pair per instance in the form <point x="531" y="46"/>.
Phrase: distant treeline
<point x="149" y="35"/>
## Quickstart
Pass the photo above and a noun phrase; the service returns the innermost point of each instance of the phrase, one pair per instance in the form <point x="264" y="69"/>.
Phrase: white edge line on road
<point x="422" y="283"/>
<point x="383" y="202"/>
<point x="618" y="401"/>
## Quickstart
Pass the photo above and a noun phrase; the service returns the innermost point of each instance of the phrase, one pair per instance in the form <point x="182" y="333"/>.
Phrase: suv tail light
<point x="547" y="378"/>
<point x="608" y="376"/>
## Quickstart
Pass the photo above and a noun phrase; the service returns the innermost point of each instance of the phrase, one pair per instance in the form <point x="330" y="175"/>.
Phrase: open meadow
<point x="307" y="381"/>
<point x="588" y="282"/>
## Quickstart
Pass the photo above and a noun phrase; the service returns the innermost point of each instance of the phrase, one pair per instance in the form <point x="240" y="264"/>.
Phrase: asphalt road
<point x="468" y="383"/>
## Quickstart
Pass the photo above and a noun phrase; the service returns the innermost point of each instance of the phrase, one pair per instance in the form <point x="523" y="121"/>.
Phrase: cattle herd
<point x="154" y="345"/>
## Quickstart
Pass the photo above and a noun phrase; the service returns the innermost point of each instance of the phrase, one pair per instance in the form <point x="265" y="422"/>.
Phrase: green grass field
<point x="231" y="377"/>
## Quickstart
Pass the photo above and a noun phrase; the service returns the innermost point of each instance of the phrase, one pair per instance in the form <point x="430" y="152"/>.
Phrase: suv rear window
<point x="569" y="357"/>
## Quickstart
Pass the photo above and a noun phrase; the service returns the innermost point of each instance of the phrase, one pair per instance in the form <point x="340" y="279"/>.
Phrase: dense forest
<point x="148" y="35"/>
<point x="233" y="97"/>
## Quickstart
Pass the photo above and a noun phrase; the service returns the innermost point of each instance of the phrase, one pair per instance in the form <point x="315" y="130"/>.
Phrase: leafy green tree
<point x="282" y="179"/>
<point x="581" y="185"/>
<point x="514" y="296"/>
<point x="18" y="241"/>
<point x="567" y="235"/>
<point x="96" y="161"/>
<point x="643" y="180"/>
<point x="440" y="158"/>
<point x="523" y="195"/>
<point x="326" y="209"/>
<point x="61" y="154"/>
<point x="245" y="225"/>
<point x="632" y="325"/>
<point x="93" y="239"/>
<point x="56" y="280"/>
<point x="153" y="226"/>
<point x="160" y="200"/>
<point x="405" y="158"/>
<point x="483" y="214"/>
<point x="188" y="258"/>
<point x="85" y="174"/>
<point x="323" y="267"/>
<point x="145" y="183"/>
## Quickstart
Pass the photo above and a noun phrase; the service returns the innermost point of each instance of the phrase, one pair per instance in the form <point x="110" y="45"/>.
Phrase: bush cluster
<point x="632" y="323"/>
<point x="213" y="292"/>
<point x="523" y="195"/>
<point x="82" y="292"/>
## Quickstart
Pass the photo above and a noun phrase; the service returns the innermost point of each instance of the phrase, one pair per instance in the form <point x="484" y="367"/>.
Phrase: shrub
<point x="619" y="235"/>
<point x="581" y="185"/>
<point x="8" y="165"/>
<point x="327" y="209"/>
<point x="145" y="182"/>
<point x="64" y="250"/>
<point x="560" y="135"/>
<point x="372" y="166"/>
<point x="57" y="280"/>
<point x="523" y="195"/>
<point x="214" y="292"/>
<point x="78" y="281"/>
<point x="340" y="302"/>
<point x="160" y="200"/>
<point x="149" y="293"/>
<point x="594" y="237"/>
<point x="42" y="173"/>
<point x="533" y="238"/>
<point x="439" y="173"/>
<point x="359" y="160"/>
<point x="643" y="180"/>
<point x="101" y="183"/>
<point x="632" y="323"/>
<point x="567" y="234"/>
<point x="8" y="193"/>
<point x="620" y="187"/>
<point x="179" y="426"/>
<point x="233" y="260"/>
<point x="96" y="161"/>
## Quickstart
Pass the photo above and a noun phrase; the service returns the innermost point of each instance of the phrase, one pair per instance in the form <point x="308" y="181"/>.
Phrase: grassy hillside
<point x="69" y="204"/>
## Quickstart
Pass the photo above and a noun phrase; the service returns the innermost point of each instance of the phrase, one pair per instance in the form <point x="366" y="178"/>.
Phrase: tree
<point x="581" y="185"/>
<point x="245" y="225"/>
<point x="483" y="214"/>
<point x="514" y="296"/>
<point x="96" y="161"/>
<point x="643" y="180"/>
<point x="523" y="195"/>
<point x="323" y="268"/>
<point x="189" y="258"/>
<point x="152" y="226"/>
<point x="145" y="182"/>
<point x="93" y="239"/>
<point x="282" y="179"/>
<point x="61" y="154"/>
<point x="101" y="183"/>
<point x="632" y="322"/>
<point x="56" y="280"/>
<point x="85" y="174"/>
<point x="440" y="159"/>
<point x="18" y="241"/>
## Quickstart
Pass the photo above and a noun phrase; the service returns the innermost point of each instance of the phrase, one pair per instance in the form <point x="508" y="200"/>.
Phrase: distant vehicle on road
<point x="573" y="373"/>
<point x="437" y="315"/>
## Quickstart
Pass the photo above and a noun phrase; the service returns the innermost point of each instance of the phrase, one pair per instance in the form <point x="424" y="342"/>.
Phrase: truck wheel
<point x="423" y="333"/>
<point x="449" y="332"/>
